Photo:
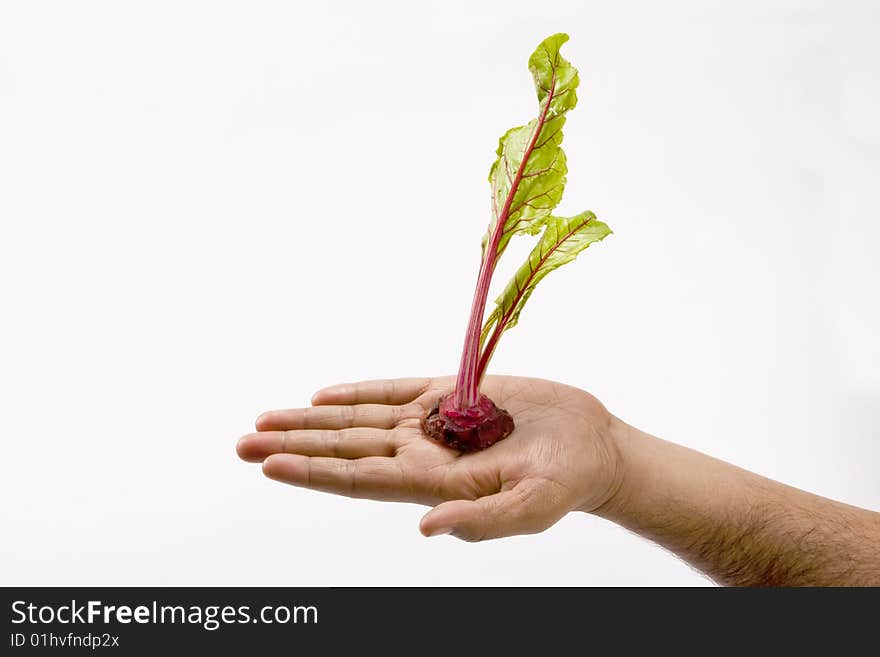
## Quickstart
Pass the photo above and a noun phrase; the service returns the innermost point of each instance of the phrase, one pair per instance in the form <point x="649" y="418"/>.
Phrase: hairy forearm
<point x="735" y="526"/>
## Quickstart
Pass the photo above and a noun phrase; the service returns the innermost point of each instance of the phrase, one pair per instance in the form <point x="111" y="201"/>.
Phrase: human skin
<point x="567" y="454"/>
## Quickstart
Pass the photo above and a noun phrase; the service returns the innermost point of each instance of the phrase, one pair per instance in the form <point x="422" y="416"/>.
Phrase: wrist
<point x="628" y="445"/>
<point x="603" y="481"/>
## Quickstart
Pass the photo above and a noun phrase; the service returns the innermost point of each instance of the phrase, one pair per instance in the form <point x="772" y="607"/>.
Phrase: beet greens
<point x="527" y="181"/>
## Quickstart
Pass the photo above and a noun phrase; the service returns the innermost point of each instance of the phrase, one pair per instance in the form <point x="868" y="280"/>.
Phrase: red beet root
<point x="478" y="427"/>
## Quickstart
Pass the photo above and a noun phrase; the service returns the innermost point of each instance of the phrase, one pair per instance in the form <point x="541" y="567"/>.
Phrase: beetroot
<point x="470" y="430"/>
<point x="527" y="180"/>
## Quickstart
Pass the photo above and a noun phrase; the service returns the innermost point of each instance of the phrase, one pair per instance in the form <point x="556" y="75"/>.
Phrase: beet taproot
<point x="475" y="428"/>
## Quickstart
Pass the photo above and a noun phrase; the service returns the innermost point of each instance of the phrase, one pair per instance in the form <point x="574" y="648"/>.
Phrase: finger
<point x="385" y="391"/>
<point x="340" y="443"/>
<point x="377" y="478"/>
<point x="330" y="417"/>
<point x="526" y="508"/>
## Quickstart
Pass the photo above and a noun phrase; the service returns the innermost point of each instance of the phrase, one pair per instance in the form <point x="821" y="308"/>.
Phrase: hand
<point x="364" y="440"/>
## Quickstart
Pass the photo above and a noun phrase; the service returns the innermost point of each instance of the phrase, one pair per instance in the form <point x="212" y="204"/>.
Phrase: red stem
<point x="468" y="382"/>
<point x="492" y="341"/>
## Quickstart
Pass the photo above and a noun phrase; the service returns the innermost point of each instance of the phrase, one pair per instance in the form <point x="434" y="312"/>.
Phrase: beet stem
<point x="470" y="372"/>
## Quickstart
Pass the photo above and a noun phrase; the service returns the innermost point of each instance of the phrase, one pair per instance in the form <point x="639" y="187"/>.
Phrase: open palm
<point x="365" y="440"/>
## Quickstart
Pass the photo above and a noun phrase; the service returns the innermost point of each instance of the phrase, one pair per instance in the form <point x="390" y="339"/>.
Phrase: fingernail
<point x="441" y="531"/>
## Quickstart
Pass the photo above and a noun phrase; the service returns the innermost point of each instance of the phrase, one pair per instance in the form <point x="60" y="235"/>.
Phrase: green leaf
<point x="563" y="239"/>
<point x="528" y="175"/>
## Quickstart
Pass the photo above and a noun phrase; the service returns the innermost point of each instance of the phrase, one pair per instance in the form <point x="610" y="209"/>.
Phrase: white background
<point x="213" y="209"/>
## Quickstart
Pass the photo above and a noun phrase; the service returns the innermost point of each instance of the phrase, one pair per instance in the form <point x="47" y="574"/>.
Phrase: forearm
<point x="735" y="526"/>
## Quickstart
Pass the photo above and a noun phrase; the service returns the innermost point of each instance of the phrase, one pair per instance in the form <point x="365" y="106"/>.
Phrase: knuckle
<point x="349" y="414"/>
<point x="333" y="442"/>
<point x="389" y="391"/>
<point x="396" y="415"/>
<point x="308" y="416"/>
<point x="350" y="471"/>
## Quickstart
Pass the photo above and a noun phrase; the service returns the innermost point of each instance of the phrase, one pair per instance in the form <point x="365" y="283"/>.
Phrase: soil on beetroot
<point x="477" y="428"/>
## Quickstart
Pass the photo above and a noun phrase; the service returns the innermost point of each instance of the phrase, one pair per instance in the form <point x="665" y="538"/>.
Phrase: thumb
<point x="527" y="508"/>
